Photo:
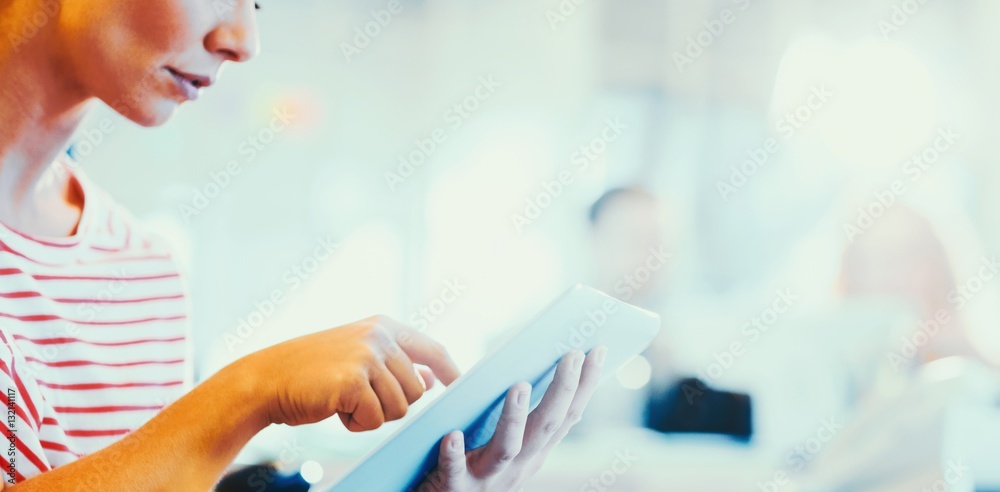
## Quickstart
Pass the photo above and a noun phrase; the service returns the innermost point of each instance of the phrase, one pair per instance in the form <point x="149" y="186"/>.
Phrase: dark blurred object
<point x="262" y="478"/>
<point x="690" y="406"/>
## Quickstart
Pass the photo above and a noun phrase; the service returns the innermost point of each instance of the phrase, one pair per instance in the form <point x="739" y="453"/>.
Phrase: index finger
<point x="423" y="349"/>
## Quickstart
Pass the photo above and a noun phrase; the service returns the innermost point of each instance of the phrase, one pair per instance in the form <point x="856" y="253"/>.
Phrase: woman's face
<point x="146" y="57"/>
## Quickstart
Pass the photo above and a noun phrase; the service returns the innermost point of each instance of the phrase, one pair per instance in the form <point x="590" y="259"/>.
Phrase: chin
<point x="148" y="113"/>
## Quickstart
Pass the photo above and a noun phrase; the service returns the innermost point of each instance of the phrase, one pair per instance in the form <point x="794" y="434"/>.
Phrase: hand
<point x="363" y="372"/>
<point x="521" y="441"/>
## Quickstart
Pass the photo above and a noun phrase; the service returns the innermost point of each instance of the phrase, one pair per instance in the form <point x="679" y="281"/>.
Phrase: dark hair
<point x="610" y="196"/>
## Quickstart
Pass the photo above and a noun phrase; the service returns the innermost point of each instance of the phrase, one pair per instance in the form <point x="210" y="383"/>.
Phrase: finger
<point x="422" y="349"/>
<point x="451" y="460"/>
<point x="506" y="442"/>
<point x="390" y="394"/>
<point x="545" y="420"/>
<point x="401" y="368"/>
<point x="427" y="376"/>
<point x="589" y="380"/>
<point x="367" y="412"/>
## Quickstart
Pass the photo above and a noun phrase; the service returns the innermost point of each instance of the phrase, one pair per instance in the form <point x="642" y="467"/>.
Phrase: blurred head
<point x="143" y="58"/>
<point x="627" y="231"/>
<point x="900" y="258"/>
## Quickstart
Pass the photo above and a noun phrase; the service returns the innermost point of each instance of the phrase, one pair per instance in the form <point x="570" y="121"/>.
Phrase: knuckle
<point x="375" y="333"/>
<point x="365" y="332"/>
<point x="383" y="322"/>
<point x="550" y="427"/>
<point x="394" y="348"/>
<point x="438" y="348"/>
<point x="396" y="413"/>
<point x="404" y="338"/>
<point x="506" y="456"/>
<point x="515" y="421"/>
<point x="454" y="475"/>
<point x="366" y="326"/>
<point x="358" y="378"/>
<point x="574" y="417"/>
<point x="373" y="345"/>
<point x="369" y="359"/>
<point x="415" y="395"/>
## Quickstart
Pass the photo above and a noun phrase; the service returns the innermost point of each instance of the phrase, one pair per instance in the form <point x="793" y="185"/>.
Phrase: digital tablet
<point x="581" y="318"/>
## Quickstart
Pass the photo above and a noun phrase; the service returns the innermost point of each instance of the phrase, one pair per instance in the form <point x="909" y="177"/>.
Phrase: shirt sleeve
<point x="24" y="454"/>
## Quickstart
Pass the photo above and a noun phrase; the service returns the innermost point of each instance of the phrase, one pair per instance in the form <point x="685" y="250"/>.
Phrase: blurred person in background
<point x="899" y="265"/>
<point x="898" y="318"/>
<point x="630" y="246"/>
<point x="901" y="259"/>
<point x="93" y="313"/>
<point x="633" y="251"/>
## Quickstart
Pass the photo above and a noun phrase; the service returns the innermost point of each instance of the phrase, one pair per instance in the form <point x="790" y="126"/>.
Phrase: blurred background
<point x="799" y="188"/>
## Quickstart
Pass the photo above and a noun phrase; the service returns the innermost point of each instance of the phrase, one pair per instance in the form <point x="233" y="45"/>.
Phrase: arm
<point x="363" y="372"/>
<point x="186" y="447"/>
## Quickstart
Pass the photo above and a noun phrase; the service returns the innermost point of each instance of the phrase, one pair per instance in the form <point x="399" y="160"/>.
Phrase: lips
<point x="190" y="85"/>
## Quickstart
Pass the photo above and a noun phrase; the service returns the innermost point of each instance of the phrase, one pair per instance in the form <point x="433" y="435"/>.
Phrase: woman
<point x="92" y="327"/>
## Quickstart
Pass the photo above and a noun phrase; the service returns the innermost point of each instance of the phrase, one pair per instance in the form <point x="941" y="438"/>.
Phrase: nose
<point x="235" y="37"/>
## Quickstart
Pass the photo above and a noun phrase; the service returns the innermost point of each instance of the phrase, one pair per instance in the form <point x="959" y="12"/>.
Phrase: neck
<point x="40" y="109"/>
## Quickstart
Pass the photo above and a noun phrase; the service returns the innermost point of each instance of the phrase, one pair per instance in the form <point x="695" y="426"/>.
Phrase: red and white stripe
<point x="93" y="334"/>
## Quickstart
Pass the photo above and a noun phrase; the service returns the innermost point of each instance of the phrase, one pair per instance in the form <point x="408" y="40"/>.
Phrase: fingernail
<point x="578" y="360"/>
<point x="522" y="398"/>
<point x="456" y="440"/>
<point x="602" y="352"/>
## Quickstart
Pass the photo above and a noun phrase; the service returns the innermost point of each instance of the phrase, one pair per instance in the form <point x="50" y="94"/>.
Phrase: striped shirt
<point x="93" y="335"/>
